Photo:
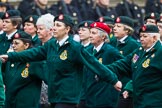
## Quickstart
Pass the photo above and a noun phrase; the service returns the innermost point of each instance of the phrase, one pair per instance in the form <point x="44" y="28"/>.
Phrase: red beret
<point x="101" y="26"/>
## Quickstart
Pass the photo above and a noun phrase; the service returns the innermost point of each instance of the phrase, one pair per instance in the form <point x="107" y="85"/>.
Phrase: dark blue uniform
<point x="131" y="10"/>
<point x="62" y="8"/>
<point x="153" y="6"/>
<point x="29" y="7"/>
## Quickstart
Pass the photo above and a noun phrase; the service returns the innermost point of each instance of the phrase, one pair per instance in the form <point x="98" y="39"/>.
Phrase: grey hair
<point x="155" y="34"/>
<point x="46" y="20"/>
<point x="130" y="29"/>
<point x="103" y="33"/>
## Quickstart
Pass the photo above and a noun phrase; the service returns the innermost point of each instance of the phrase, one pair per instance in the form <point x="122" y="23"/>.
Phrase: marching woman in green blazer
<point x="65" y="60"/>
<point x="22" y="79"/>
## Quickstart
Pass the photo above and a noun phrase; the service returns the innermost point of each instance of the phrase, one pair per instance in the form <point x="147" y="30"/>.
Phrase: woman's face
<point x="60" y="30"/>
<point x="42" y="32"/>
<point x="18" y="45"/>
<point x="30" y="28"/>
<point x="8" y="27"/>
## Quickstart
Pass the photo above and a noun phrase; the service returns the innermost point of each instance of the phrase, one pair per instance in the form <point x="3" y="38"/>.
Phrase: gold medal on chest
<point x="63" y="55"/>
<point x="146" y="63"/>
<point x="100" y="60"/>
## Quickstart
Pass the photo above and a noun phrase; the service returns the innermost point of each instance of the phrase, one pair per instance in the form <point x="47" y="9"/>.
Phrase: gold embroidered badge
<point x="63" y="55"/>
<point x="100" y="60"/>
<point x="25" y="73"/>
<point x="146" y="63"/>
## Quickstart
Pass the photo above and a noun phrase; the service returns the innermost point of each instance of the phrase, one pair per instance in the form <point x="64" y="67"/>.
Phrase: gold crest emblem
<point x="63" y="55"/>
<point x="146" y="63"/>
<point x="100" y="60"/>
<point x="25" y="73"/>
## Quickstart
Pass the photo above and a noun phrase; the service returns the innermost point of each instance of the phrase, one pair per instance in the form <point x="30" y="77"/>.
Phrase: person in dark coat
<point x="123" y="28"/>
<point x="33" y="7"/>
<point x="65" y="60"/>
<point x="30" y="28"/>
<point x="144" y="67"/>
<point x="98" y="93"/>
<point x="11" y="24"/>
<point x="65" y="7"/>
<point x="22" y="79"/>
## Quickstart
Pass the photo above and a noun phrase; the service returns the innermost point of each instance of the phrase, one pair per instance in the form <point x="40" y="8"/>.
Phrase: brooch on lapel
<point x="100" y="60"/>
<point x="63" y="55"/>
<point x="146" y="63"/>
<point x="25" y="72"/>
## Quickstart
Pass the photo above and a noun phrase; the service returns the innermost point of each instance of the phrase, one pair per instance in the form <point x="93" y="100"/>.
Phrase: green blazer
<point x="4" y="43"/>
<point x="99" y="93"/>
<point x="36" y="41"/>
<point x="2" y="93"/>
<point x="23" y="84"/>
<point x="65" y="66"/>
<point x="146" y="72"/>
<point x="125" y="48"/>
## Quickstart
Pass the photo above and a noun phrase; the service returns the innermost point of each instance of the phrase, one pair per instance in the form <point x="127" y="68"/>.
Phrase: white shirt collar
<point x="63" y="40"/>
<point x="150" y="47"/>
<point x="99" y="47"/>
<point x="85" y="45"/>
<point x="1" y="32"/>
<point x="123" y="38"/>
<point x="10" y="35"/>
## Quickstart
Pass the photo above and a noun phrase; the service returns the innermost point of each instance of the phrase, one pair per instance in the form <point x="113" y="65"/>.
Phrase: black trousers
<point x="125" y="103"/>
<point x="62" y="105"/>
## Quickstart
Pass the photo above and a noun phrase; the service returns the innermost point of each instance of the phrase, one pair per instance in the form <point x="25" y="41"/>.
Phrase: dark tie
<point x="57" y="45"/>
<point x="94" y="51"/>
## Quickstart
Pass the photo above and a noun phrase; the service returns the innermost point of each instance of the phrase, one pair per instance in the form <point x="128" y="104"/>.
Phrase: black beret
<point x="31" y="18"/>
<point x="149" y="29"/>
<point x="152" y="15"/>
<point x="65" y="19"/>
<point x="11" y="14"/>
<point x="22" y="36"/>
<point x="85" y="24"/>
<point x="106" y="19"/>
<point x="125" y="20"/>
